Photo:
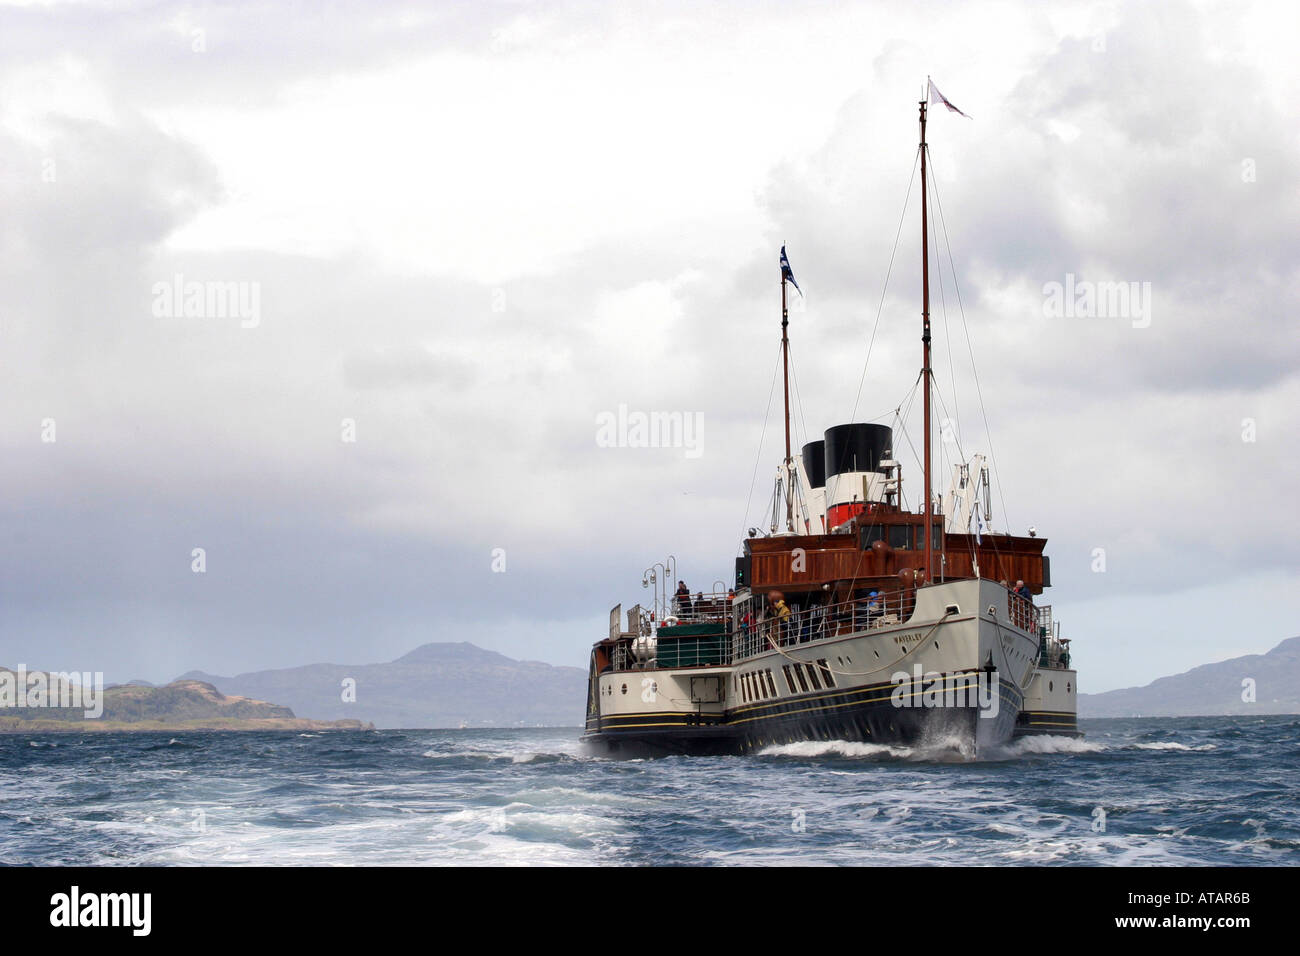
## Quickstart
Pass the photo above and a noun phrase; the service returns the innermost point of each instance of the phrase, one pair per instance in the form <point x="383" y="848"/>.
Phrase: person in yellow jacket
<point x="780" y="610"/>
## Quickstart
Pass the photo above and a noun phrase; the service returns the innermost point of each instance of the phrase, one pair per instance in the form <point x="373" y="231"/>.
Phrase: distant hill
<point x="1211" y="689"/>
<point x="180" y="705"/>
<point x="435" y="685"/>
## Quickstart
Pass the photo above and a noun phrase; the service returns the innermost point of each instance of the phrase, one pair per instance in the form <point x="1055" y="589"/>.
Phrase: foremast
<point x="785" y="375"/>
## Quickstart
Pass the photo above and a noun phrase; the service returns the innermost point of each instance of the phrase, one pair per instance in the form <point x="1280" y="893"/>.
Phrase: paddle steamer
<point x="853" y="618"/>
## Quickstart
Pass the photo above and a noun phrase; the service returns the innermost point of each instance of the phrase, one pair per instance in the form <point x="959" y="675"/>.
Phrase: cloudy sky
<point x="471" y="229"/>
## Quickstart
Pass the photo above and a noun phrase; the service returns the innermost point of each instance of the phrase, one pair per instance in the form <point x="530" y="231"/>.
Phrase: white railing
<point x="701" y="608"/>
<point x="815" y="622"/>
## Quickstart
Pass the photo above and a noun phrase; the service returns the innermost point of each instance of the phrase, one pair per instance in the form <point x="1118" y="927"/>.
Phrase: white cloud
<point x="475" y="231"/>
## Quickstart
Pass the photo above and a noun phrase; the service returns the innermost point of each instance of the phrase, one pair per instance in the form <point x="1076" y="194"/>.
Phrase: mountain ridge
<point x="184" y="704"/>
<point x="1211" y="690"/>
<point x="438" y="684"/>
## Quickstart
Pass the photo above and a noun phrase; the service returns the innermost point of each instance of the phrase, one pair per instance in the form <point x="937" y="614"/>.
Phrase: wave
<point x="1050" y="744"/>
<point x="833" y="748"/>
<point x="940" y="749"/>
<point x="531" y="798"/>
<point x="491" y="756"/>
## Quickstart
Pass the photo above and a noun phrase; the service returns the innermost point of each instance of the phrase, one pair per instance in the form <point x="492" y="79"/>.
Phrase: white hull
<point x="881" y="685"/>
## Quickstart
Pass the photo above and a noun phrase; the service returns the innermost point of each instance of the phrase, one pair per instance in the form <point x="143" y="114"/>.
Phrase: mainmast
<point x="785" y="371"/>
<point x="925" y="357"/>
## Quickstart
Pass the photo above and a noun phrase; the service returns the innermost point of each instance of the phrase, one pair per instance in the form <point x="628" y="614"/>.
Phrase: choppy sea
<point x="1154" y="791"/>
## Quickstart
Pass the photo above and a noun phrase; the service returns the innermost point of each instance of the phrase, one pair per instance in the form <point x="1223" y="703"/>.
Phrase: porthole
<point x="1067" y="687"/>
<point x="936" y="645"/>
<point x="625" y="688"/>
<point x="1049" y="686"/>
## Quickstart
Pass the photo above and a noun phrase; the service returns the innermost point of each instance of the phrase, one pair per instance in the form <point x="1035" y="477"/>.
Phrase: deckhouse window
<point x="900" y="537"/>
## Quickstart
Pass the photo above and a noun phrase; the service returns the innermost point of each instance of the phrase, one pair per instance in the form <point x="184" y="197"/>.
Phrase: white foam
<point x="1049" y="744"/>
<point x="839" y="748"/>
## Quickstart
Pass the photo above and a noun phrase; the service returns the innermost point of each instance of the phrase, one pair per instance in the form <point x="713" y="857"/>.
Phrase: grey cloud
<point x="400" y="366"/>
<point x="476" y="427"/>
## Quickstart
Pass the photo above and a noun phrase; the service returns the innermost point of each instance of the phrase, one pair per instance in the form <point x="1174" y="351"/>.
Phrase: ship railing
<point x="702" y="608"/>
<point x="1054" y="653"/>
<point x="655" y="644"/>
<point x="1036" y="619"/>
<point x="756" y="634"/>
<point x="1022" y="612"/>
<point x="1053" y="650"/>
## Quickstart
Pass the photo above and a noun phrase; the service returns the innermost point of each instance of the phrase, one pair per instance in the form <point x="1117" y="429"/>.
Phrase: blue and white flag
<point x="787" y="272"/>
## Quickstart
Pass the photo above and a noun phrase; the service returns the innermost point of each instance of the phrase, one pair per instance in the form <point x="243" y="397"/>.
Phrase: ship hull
<point x="865" y="721"/>
<point x="892" y="705"/>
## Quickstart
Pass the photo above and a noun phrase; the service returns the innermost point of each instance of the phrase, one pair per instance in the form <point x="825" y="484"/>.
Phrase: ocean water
<point x="1170" y="791"/>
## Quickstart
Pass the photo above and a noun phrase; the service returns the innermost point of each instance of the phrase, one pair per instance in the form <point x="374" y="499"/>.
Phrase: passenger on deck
<point x="780" y="609"/>
<point x="1025" y="615"/>
<point x="874" y="610"/>
<point x="683" y="599"/>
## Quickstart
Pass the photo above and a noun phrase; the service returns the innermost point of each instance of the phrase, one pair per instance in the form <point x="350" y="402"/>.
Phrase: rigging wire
<point x="961" y="452"/>
<point x="943" y="308"/>
<point x="988" y="434"/>
<point x="794" y="380"/>
<point x="888" y="272"/>
<point x="899" y="426"/>
<point x="749" y="501"/>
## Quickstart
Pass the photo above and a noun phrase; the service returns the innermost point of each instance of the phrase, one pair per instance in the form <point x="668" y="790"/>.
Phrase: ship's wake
<point x="938" y="748"/>
<point x="833" y="748"/>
